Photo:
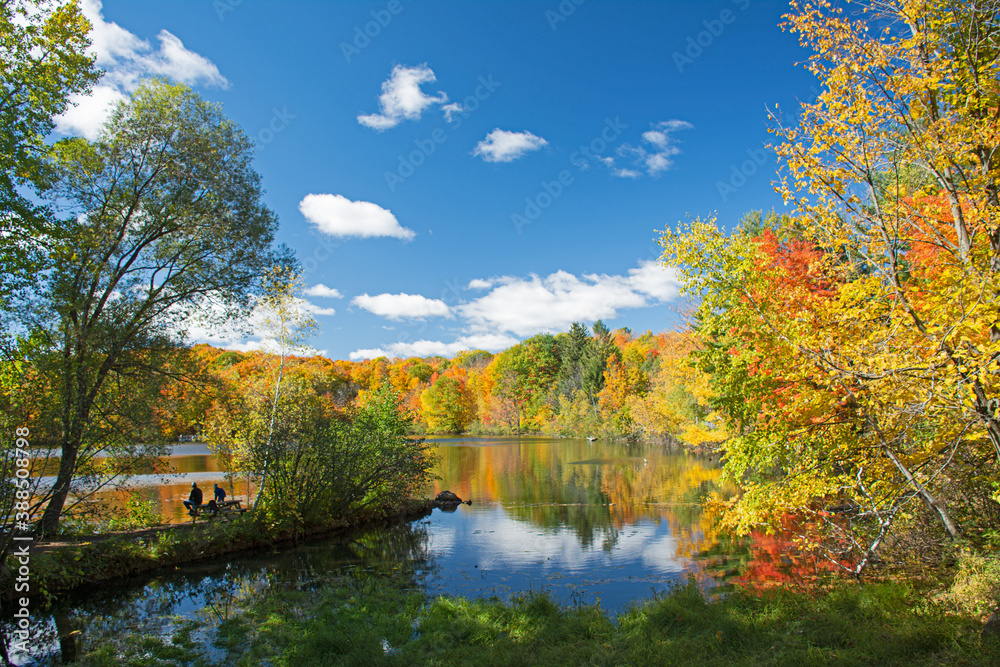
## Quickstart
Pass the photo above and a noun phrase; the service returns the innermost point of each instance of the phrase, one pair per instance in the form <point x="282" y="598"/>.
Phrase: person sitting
<point x="220" y="494"/>
<point x="194" y="500"/>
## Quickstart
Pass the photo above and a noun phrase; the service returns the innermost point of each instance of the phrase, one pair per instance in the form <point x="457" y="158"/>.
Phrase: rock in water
<point x="447" y="497"/>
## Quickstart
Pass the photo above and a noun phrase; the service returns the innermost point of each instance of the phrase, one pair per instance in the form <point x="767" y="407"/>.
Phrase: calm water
<point x="586" y="521"/>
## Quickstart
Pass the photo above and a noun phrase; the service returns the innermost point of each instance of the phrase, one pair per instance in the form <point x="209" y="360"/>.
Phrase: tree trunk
<point x="928" y="498"/>
<point x="53" y="511"/>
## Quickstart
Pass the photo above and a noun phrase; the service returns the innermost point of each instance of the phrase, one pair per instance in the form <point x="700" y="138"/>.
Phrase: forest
<point x="576" y="384"/>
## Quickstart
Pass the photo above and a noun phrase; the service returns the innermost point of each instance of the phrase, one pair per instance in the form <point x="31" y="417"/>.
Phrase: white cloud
<point x="505" y="146"/>
<point x="655" y="157"/>
<point x="519" y="307"/>
<point x="87" y="113"/>
<point x="402" y="99"/>
<point x="655" y="137"/>
<point x="658" y="162"/>
<point x="626" y="173"/>
<point x="402" y="306"/>
<point x="322" y="290"/>
<point x="673" y="125"/>
<point x="529" y="306"/>
<point x="655" y="280"/>
<point x="127" y="59"/>
<point x="248" y="331"/>
<point x="526" y="306"/>
<point x="337" y="215"/>
<point x="317" y="310"/>
<point x="486" y="341"/>
<point x="180" y="64"/>
<point x="451" y="110"/>
<point x="427" y="348"/>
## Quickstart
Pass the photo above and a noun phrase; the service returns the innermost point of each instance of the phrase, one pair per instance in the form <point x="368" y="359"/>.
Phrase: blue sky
<point x="467" y="174"/>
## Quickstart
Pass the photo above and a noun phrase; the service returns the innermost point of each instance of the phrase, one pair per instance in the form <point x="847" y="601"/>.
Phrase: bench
<point x="227" y="509"/>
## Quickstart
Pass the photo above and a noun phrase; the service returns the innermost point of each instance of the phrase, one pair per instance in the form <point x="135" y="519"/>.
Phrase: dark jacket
<point x="195" y="497"/>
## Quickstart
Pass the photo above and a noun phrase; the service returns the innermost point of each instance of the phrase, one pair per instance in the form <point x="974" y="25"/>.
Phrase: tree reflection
<point x="208" y="594"/>
<point x="593" y="490"/>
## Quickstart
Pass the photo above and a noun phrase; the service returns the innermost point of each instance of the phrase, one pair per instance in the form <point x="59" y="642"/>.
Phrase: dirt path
<point x="136" y="535"/>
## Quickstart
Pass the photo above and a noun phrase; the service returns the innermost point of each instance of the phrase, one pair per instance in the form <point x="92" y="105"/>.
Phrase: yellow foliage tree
<point x="855" y="346"/>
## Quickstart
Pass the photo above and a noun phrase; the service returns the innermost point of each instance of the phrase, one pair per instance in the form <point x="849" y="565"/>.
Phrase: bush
<point x="363" y="461"/>
<point x="139" y="513"/>
<point x="976" y="588"/>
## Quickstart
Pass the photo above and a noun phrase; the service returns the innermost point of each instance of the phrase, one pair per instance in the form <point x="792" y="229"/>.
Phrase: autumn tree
<point x="523" y="375"/>
<point x="187" y="393"/>
<point x="627" y="377"/>
<point x="900" y="152"/>
<point x="448" y="406"/>
<point x="668" y="398"/>
<point x="854" y="345"/>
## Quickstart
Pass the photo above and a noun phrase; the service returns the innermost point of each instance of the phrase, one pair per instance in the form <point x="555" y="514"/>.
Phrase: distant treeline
<point x="579" y="383"/>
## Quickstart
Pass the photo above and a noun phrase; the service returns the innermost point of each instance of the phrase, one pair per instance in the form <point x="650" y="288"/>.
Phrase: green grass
<point x="360" y="619"/>
<point x="345" y="623"/>
<point x="875" y="624"/>
<point x="90" y="562"/>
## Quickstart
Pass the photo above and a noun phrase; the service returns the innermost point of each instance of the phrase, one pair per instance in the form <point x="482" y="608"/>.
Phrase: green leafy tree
<point x="337" y="466"/>
<point x="164" y="221"/>
<point x="44" y="61"/>
<point x="572" y="347"/>
<point x="594" y="361"/>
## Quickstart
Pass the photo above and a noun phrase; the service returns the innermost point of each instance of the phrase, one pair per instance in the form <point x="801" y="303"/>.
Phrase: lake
<point x="587" y="521"/>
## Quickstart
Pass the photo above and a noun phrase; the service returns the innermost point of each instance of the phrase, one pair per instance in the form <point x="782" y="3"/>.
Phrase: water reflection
<point x="546" y="513"/>
<point x="168" y="487"/>
<point x="161" y="605"/>
<point x="586" y="521"/>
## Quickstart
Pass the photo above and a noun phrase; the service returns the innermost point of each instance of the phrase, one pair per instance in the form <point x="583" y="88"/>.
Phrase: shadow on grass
<point x="393" y="624"/>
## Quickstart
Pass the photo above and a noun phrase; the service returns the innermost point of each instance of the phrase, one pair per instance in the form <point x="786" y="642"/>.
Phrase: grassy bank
<point x="85" y="560"/>
<point x="345" y="623"/>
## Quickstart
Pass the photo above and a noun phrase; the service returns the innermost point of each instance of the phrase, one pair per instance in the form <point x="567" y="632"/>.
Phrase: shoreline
<point x="65" y="565"/>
